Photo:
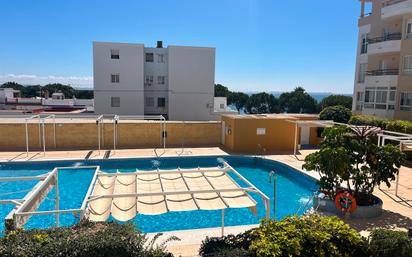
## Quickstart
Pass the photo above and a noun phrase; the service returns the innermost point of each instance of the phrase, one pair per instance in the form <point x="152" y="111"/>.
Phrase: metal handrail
<point x="383" y="72"/>
<point x="388" y="37"/>
<point x="393" y="2"/>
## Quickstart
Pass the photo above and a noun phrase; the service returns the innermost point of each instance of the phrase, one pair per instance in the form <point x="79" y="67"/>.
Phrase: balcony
<point x="382" y="78"/>
<point x="387" y="44"/>
<point x="394" y="8"/>
<point x="386" y="72"/>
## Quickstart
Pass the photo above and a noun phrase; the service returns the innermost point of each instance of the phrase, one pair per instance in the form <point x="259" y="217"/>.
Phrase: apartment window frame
<point x="114" y="54"/>
<point x="115" y="78"/>
<point x="364" y="43"/>
<point x="408" y="34"/>
<point x="149" y="101"/>
<point x="363" y="68"/>
<point x="161" y="80"/>
<point x="148" y="80"/>
<point x="149" y="57"/>
<point x="161" y="102"/>
<point x="161" y="58"/>
<point x="405" y="101"/>
<point x="407" y="63"/>
<point x="115" y="101"/>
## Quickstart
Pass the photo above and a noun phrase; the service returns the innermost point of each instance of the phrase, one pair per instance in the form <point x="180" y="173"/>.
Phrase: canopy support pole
<point x="296" y="140"/>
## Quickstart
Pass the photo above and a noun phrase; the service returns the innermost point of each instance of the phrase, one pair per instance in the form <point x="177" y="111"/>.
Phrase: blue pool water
<point x="294" y="189"/>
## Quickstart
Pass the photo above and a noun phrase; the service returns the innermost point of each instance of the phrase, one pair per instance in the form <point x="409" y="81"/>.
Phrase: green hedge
<point x="293" y="236"/>
<point x="83" y="240"/>
<point x="401" y="126"/>
<point x="388" y="243"/>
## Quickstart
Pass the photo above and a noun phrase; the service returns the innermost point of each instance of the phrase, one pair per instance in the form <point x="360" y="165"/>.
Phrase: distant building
<point x="383" y="81"/>
<point x="177" y="81"/>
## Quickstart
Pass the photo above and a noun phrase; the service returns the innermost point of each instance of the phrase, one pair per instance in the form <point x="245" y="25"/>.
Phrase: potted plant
<point x="350" y="160"/>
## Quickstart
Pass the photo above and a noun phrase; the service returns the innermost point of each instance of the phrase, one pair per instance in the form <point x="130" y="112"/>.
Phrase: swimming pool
<point x="294" y="189"/>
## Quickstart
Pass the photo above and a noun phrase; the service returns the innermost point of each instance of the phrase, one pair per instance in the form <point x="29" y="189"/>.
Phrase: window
<point x="222" y="106"/>
<point x="260" y="131"/>
<point x="369" y="95"/>
<point x="364" y="43"/>
<point x="115" y="53"/>
<point x="161" y="102"/>
<point x="148" y="80"/>
<point x="405" y="101"/>
<point x="115" y="101"/>
<point x="362" y="72"/>
<point x="409" y="30"/>
<point x="407" y="63"/>
<point x="149" y="57"/>
<point x="149" y="101"/>
<point x="392" y="93"/>
<point x="160" y="58"/>
<point x="161" y="80"/>
<point x="115" y="78"/>
<point x="381" y="96"/>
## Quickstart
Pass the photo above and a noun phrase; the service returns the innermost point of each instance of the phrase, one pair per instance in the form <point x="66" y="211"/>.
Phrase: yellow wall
<point x="83" y="135"/>
<point x="279" y="137"/>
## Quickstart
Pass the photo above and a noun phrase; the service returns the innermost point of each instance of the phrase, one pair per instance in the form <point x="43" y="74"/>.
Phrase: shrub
<point x="336" y="113"/>
<point x="231" y="245"/>
<point x="368" y="120"/>
<point x="401" y="126"/>
<point x="83" y="240"/>
<point x="307" y="237"/>
<point x="389" y="243"/>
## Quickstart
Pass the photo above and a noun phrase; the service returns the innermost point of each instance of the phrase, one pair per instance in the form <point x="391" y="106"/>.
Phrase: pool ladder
<point x="304" y="208"/>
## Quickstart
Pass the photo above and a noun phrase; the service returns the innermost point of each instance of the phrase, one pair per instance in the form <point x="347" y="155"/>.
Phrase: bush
<point x="83" y="240"/>
<point x="336" y="113"/>
<point x="368" y="120"/>
<point x="307" y="237"/>
<point x="231" y="245"/>
<point x="401" y="126"/>
<point x="388" y="243"/>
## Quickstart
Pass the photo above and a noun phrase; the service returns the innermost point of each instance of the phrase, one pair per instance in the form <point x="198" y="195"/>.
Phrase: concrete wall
<point x="83" y="135"/>
<point x="191" y="82"/>
<point x="130" y="68"/>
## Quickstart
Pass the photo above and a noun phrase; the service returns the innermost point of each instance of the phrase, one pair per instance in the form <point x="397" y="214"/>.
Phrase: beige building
<point x="383" y="81"/>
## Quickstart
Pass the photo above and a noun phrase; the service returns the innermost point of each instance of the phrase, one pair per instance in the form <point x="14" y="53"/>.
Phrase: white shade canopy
<point x="124" y="195"/>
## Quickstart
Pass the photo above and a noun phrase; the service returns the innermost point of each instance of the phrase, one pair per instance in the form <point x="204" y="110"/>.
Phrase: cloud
<point x="30" y="79"/>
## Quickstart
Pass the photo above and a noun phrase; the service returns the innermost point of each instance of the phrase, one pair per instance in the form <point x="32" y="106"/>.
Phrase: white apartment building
<point x="383" y="80"/>
<point x="177" y="81"/>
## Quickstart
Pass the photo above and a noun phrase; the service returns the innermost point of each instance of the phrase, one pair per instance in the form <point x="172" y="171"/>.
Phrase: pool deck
<point x="397" y="209"/>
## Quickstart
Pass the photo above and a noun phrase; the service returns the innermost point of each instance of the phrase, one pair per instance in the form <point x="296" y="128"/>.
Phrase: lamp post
<point x="273" y="174"/>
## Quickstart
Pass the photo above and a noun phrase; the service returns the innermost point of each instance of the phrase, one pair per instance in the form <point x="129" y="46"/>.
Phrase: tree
<point x="238" y="99"/>
<point x="336" y="113"/>
<point x="351" y="155"/>
<point x="262" y="103"/>
<point x="334" y="100"/>
<point x="68" y="91"/>
<point x="84" y="94"/>
<point x="32" y="91"/>
<point x="221" y="91"/>
<point x="297" y="101"/>
<point x="14" y="85"/>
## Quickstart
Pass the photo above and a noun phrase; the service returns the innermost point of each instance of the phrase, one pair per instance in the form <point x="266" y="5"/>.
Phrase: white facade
<point x="177" y="81"/>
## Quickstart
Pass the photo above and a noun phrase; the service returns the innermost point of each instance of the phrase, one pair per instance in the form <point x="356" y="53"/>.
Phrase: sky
<point x="261" y="45"/>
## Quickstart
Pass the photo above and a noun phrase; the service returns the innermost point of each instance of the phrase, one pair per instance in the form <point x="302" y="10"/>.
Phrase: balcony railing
<point x="392" y="2"/>
<point x="383" y="72"/>
<point x="388" y="37"/>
